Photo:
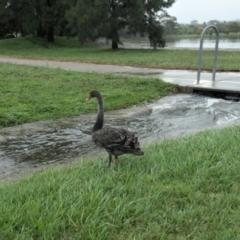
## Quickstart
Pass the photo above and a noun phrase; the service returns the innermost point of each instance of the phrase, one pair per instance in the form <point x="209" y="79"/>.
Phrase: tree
<point x="4" y="18"/>
<point x="194" y="22"/>
<point x="213" y="22"/>
<point x="155" y="35"/>
<point x="104" y="18"/>
<point x="170" y="24"/>
<point x="40" y="17"/>
<point x="51" y="16"/>
<point x="22" y="16"/>
<point x="234" y="27"/>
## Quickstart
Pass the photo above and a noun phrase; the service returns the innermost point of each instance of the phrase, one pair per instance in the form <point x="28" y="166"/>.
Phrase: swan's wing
<point x="115" y="137"/>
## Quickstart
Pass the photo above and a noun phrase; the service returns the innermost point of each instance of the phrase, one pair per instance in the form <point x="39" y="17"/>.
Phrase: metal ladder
<point x="215" y="53"/>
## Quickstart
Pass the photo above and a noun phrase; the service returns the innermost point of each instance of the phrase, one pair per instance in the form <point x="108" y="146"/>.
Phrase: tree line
<point x="172" y="27"/>
<point x="85" y="19"/>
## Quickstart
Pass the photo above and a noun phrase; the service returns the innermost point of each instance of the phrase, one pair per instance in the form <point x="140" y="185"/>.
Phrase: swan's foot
<point x="109" y="161"/>
<point x="116" y="160"/>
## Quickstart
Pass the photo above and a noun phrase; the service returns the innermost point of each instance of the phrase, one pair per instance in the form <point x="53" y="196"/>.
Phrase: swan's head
<point x="93" y="94"/>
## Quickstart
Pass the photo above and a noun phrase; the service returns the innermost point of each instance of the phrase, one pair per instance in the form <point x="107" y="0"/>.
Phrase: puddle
<point x="35" y="146"/>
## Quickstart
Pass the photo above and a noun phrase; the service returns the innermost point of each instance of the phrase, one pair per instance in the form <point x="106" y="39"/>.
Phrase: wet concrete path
<point x="180" y="77"/>
<point x="34" y="146"/>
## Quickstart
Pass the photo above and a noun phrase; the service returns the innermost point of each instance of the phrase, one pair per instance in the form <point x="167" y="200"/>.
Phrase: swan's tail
<point x="137" y="152"/>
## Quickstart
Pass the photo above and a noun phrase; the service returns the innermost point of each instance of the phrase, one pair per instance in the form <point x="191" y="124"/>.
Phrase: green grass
<point x="36" y="93"/>
<point x="69" y="50"/>
<point x="180" y="189"/>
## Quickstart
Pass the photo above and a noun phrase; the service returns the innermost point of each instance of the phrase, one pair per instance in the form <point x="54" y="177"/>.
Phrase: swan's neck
<point x="100" y="116"/>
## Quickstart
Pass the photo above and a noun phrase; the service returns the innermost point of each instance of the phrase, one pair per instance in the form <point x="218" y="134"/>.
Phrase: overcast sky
<point x="205" y="10"/>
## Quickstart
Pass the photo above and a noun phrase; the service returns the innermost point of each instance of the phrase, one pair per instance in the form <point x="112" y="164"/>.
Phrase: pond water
<point x="35" y="146"/>
<point x="230" y="43"/>
<point x="224" y="43"/>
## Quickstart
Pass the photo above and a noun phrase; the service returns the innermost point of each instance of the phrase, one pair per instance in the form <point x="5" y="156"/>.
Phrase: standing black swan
<point x="116" y="141"/>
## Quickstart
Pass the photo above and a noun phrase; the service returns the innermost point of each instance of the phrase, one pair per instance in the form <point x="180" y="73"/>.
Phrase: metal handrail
<point x="215" y="54"/>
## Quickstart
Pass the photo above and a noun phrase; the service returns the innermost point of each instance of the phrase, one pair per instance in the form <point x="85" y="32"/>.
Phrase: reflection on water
<point x="224" y="43"/>
<point x="33" y="146"/>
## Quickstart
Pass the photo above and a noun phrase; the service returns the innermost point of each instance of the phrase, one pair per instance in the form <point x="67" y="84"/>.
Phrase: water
<point x="35" y="146"/>
<point x="224" y="43"/>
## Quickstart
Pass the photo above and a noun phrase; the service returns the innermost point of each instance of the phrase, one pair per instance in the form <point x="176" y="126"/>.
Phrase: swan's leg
<point x="110" y="160"/>
<point x="116" y="160"/>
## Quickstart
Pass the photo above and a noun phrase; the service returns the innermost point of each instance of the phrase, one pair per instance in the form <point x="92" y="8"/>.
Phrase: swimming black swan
<point x="116" y="141"/>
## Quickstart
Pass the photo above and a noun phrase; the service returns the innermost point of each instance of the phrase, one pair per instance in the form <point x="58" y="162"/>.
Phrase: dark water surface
<point x="35" y="146"/>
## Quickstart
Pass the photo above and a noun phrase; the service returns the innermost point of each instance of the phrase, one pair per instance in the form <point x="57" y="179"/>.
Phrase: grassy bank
<point x="181" y="189"/>
<point x="69" y="50"/>
<point x="36" y="93"/>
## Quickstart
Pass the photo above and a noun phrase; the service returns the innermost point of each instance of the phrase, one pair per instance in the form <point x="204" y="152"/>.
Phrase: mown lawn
<point x="70" y="50"/>
<point x="37" y="93"/>
<point x="184" y="188"/>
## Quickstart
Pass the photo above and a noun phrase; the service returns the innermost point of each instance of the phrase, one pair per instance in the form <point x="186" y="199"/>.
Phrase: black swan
<point x="116" y="141"/>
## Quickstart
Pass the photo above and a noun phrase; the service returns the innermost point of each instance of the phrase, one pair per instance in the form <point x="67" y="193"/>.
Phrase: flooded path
<point x="35" y="146"/>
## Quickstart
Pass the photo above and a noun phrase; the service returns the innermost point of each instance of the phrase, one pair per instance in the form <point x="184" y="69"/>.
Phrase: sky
<point x="205" y="10"/>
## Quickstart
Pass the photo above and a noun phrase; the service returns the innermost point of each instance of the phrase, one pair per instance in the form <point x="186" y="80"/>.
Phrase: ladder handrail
<point x="215" y="53"/>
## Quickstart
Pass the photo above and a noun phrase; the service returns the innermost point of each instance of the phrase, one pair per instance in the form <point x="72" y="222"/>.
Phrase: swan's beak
<point x="88" y="98"/>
